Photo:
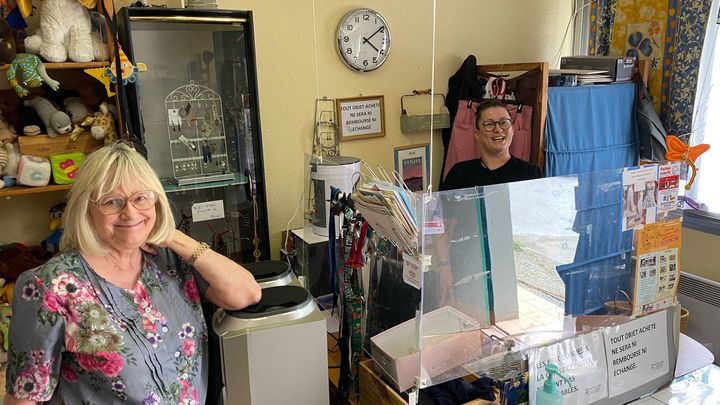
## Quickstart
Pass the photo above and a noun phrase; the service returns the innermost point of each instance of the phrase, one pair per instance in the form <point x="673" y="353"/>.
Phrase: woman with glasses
<point x="107" y="322"/>
<point x="493" y="135"/>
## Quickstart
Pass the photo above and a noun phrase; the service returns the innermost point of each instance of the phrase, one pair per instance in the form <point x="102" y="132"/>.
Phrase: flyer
<point x="637" y="352"/>
<point x="668" y="186"/>
<point x="581" y="360"/>
<point x="639" y="200"/>
<point x="657" y="270"/>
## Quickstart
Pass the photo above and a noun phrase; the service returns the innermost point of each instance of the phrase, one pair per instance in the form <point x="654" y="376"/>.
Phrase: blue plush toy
<point x="52" y="242"/>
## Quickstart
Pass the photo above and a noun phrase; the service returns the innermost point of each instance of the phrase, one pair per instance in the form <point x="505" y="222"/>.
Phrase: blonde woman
<point x="106" y="322"/>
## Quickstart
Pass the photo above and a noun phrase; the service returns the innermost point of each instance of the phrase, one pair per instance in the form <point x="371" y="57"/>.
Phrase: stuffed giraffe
<point x="104" y="125"/>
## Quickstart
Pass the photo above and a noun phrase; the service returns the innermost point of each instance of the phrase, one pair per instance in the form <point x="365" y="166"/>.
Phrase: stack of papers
<point x="390" y="211"/>
<point x="585" y="76"/>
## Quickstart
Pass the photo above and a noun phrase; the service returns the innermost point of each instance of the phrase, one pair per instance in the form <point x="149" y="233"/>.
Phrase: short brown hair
<point x="486" y="105"/>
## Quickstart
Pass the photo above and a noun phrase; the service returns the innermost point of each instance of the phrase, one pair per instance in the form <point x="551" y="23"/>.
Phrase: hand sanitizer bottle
<point x="550" y="395"/>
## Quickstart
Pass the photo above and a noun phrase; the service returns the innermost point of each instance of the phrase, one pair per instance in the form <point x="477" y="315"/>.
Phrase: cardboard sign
<point x="637" y="352"/>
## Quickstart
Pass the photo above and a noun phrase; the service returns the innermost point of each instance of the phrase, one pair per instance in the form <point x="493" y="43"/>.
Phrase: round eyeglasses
<point x="489" y="126"/>
<point x="115" y="204"/>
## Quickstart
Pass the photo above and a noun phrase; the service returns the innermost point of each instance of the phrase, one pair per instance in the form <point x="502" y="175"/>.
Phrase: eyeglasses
<point x="115" y="204"/>
<point x="489" y="126"/>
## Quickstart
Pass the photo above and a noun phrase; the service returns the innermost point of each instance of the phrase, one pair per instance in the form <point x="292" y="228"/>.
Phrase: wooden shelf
<point x="66" y="65"/>
<point x="25" y="190"/>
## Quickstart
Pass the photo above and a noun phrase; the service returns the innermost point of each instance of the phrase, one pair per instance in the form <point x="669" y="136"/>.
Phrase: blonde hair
<point x="102" y="172"/>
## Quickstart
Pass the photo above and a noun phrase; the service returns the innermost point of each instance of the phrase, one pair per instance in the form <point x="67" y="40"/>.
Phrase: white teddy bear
<point x="66" y="32"/>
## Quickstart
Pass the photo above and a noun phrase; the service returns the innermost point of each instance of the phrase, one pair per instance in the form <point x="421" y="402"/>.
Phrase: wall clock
<point x="363" y="39"/>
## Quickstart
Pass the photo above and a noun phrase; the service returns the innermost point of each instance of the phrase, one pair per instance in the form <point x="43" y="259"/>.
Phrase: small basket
<point x="413" y="123"/>
<point x="616" y="307"/>
<point x="684" y="319"/>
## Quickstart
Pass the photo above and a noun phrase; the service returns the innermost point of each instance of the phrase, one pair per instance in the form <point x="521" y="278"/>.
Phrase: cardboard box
<point x="43" y="145"/>
<point x="451" y="338"/>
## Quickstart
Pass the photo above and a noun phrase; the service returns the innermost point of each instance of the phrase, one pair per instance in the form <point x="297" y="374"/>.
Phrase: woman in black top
<point x="457" y="247"/>
<point x="494" y="135"/>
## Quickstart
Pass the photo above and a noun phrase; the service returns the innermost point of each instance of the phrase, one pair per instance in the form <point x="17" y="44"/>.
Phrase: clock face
<point x="363" y="40"/>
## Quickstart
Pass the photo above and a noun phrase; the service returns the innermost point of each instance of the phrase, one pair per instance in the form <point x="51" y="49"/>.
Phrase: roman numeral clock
<point x="363" y="39"/>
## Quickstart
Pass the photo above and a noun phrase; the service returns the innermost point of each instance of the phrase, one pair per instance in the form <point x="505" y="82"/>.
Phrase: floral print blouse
<point x="78" y="338"/>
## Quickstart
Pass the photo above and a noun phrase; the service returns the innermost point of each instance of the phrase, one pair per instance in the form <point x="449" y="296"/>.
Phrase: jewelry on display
<point x="199" y="250"/>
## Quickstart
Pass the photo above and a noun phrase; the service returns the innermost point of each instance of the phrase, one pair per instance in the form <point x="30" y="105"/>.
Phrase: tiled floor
<point x="535" y="313"/>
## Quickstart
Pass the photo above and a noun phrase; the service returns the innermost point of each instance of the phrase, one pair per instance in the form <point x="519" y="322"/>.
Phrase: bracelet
<point x="444" y="262"/>
<point x="199" y="250"/>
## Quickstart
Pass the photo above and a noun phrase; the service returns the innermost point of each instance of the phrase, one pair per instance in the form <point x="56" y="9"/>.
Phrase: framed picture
<point x="361" y="117"/>
<point x="413" y="165"/>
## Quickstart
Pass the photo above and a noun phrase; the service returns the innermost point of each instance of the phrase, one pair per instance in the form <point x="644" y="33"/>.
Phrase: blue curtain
<point x="591" y="130"/>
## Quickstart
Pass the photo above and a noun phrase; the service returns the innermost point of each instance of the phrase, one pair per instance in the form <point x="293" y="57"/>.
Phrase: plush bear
<point x="16" y="258"/>
<point x="104" y="125"/>
<point x="56" y="121"/>
<point x="66" y="32"/>
<point x="7" y="133"/>
<point x="28" y="70"/>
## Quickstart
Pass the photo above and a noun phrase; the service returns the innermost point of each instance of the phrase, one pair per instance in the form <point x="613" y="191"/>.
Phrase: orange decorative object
<point x="678" y="150"/>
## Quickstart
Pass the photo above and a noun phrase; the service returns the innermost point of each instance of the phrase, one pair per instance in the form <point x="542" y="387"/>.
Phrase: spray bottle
<point x="550" y="395"/>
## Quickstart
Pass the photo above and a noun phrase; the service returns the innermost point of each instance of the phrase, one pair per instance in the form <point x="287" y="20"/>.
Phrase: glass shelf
<point x="173" y="188"/>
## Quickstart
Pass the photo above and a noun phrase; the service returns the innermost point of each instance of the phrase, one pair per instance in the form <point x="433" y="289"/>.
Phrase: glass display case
<point x="194" y="114"/>
<point x="509" y="270"/>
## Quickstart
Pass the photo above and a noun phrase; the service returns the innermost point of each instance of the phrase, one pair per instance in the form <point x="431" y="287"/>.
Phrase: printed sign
<point x="581" y="360"/>
<point x="657" y="272"/>
<point x="637" y="352"/>
<point x="639" y="196"/>
<point x="668" y="185"/>
<point x="206" y="211"/>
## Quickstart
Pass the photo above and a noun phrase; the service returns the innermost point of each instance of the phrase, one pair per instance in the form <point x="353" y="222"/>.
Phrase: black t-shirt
<point x="472" y="173"/>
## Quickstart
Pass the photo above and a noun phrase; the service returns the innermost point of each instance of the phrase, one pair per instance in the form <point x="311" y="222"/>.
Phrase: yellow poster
<point x="639" y="30"/>
<point x="657" y="266"/>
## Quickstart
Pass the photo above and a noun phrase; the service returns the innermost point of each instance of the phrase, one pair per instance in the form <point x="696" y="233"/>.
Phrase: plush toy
<point x="5" y="316"/>
<point x="66" y="32"/>
<point x="76" y="109"/>
<point x="28" y="70"/>
<point x="8" y="171"/>
<point x="8" y="50"/>
<point x="56" y="121"/>
<point x="16" y="258"/>
<point x="104" y="125"/>
<point x="52" y="242"/>
<point x="7" y="133"/>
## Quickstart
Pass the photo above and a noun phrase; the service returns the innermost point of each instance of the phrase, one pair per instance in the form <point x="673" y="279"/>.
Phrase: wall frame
<point x="361" y="117"/>
<point x="412" y="163"/>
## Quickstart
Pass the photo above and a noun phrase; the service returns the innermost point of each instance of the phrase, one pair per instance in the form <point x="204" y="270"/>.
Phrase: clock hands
<point x="367" y="40"/>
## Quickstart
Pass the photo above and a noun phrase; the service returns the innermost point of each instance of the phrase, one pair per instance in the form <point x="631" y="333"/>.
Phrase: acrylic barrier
<point x="580" y="271"/>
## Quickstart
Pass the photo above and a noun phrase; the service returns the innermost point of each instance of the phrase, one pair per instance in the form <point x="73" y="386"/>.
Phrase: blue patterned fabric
<point x="590" y="128"/>
<point x="602" y="16"/>
<point x="677" y="112"/>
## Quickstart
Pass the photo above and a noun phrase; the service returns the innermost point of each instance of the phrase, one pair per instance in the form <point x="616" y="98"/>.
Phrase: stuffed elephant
<point x="66" y="32"/>
<point x="56" y="121"/>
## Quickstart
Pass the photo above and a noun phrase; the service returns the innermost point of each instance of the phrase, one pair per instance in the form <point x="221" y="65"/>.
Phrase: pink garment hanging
<point x="521" y="145"/>
<point x="462" y="145"/>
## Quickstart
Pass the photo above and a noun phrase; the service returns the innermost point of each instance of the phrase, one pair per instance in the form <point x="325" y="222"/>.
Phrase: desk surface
<point x="691" y="356"/>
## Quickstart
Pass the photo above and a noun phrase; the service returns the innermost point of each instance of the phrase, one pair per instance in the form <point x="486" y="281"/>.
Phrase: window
<point x="706" y="122"/>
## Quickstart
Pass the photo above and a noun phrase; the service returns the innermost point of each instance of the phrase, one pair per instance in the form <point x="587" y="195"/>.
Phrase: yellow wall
<point x="293" y="72"/>
<point x="697" y="255"/>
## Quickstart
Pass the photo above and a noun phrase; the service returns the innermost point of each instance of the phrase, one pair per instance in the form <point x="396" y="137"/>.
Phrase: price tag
<point x="206" y="211"/>
<point x="412" y="271"/>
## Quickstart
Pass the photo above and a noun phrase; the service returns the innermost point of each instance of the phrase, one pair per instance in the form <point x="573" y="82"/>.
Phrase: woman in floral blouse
<point x="107" y="322"/>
